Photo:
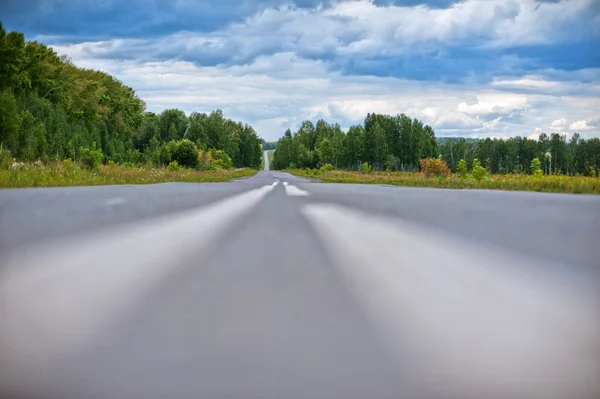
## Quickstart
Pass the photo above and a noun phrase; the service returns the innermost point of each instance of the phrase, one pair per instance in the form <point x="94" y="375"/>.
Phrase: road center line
<point x="294" y="191"/>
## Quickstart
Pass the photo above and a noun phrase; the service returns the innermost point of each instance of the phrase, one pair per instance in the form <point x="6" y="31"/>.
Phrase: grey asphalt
<point x="267" y="307"/>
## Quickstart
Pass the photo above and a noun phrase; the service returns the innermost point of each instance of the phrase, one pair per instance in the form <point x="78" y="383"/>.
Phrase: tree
<point x="186" y="154"/>
<point x="536" y="167"/>
<point x="461" y="168"/>
<point x="375" y="146"/>
<point x="326" y="151"/>
<point x="9" y="120"/>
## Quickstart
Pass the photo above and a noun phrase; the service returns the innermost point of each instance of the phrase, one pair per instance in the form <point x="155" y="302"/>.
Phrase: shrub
<point x="293" y="165"/>
<point x="186" y="154"/>
<point x="166" y="152"/>
<point x="366" y="168"/>
<point x="6" y="159"/>
<point x="221" y="160"/>
<point x="536" y="167"/>
<point x="387" y="166"/>
<point x="461" y="168"/>
<point x="91" y="157"/>
<point x="479" y="171"/>
<point x="326" y="168"/>
<point x="434" y="167"/>
<point x="174" y="166"/>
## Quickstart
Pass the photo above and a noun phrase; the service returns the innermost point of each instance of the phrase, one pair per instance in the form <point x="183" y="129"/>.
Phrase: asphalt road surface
<point x="278" y="287"/>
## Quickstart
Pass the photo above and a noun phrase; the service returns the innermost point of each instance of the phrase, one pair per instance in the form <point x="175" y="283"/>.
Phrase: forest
<point x="399" y="143"/>
<point x="52" y="110"/>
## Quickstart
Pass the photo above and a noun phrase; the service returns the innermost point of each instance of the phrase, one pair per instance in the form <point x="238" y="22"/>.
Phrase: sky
<point x="470" y="68"/>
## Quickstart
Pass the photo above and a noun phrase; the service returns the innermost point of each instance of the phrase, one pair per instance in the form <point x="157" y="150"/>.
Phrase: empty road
<point x="278" y="287"/>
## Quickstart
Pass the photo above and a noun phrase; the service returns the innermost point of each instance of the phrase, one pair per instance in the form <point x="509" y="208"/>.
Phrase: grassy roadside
<point x="55" y="174"/>
<point x="551" y="184"/>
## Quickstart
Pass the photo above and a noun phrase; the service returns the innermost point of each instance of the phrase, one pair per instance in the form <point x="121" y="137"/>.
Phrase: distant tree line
<point x="266" y="146"/>
<point x="556" y="154"/>
<point x="383" y="141"/>
<point x="51" y="109"/>
<point x="399" y="142"/>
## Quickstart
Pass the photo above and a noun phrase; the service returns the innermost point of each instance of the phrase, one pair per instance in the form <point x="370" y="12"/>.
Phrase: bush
<point x="387" y="166"/>
<point x="186" y="154"/>
<point x="366" y="168"/>
<point x="91" y="157"/>
<point x="293" y="165"/>
<point x="326" y="168"/>
<point x="461" y="168"/>
<point x="536" y="167"/>
<point x="174" y="166"/>
<point x="434" y="167"/>
<point x="479" y="171"/>
<point x="221" y="160"/>
<point x="166" y="152"/>
<point x="6" y="159"/>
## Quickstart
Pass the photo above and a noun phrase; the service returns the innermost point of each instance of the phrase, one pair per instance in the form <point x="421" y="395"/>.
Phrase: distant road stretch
<point x="279" y="287"/>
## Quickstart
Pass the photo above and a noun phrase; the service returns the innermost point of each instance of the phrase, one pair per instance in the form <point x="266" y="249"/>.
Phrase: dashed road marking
<point x="294" y="191"/>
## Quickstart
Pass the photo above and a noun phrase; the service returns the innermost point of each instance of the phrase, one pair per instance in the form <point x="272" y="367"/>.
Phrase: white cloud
<point x="582" y="126"/>
<point x="361" y="28"/>
<point x="559" y="123"/>
<point x="277" y="67"/>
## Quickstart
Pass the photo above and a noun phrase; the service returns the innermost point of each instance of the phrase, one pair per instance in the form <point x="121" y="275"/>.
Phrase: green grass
<point x="67" y="173"/>
<point x="551" y="184"/>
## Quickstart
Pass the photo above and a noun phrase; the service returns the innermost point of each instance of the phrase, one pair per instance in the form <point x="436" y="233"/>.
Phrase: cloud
<point x="472" y="67"/>
<point x="471" y="39"/>
<point x="585" y="125"/>
<point x="559" y="123"/>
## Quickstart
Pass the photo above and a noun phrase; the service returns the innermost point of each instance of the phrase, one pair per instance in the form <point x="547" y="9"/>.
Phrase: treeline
<point x="397" y="143"/>
<point x="51" y="109"/>
<point x="514" y="155"/>
<point x="384" y="142"/>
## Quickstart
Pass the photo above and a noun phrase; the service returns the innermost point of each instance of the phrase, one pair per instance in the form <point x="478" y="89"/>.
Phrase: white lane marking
<point x="294" y="191"/>
<point x="275" y="183"/>
<point x="468" y="318"/>
<point x="285" y="183"/>
<point x="58" y="296"/>
<point x="116" y="201"/>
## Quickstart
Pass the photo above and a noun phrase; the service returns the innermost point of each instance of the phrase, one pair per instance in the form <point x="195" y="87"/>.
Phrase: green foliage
<point x="91" y="157"/>
<point x="6" y="159"/>
<point x="221" y="160"/>
<point x="461" y="168"/>
<point x="9" y="119"/>
<point x="174" y="166"/>
<point x="326" y="168"/>
<point x="434" y="167"/>
<point x="50" y="109"/>
<point x="166" y="152"/>
<point x="479" y="171"/>
<point x="366" y="168"/>
<point x="186" y="154"/>
<point x="536" y="167"/>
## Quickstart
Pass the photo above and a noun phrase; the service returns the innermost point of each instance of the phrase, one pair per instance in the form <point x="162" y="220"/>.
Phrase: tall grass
<point x="552" y="184"/>
<point x="67" y="173"/>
